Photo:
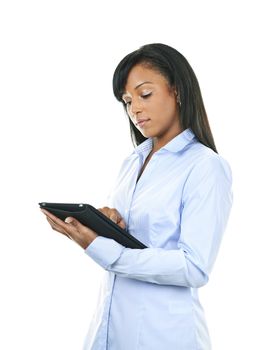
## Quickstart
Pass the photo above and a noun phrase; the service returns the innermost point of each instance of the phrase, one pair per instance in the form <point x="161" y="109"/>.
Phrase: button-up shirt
<point x="179" y="209"/>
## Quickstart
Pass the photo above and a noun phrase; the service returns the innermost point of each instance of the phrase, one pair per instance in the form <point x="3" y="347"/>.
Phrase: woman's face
<point x="151" y="105"/>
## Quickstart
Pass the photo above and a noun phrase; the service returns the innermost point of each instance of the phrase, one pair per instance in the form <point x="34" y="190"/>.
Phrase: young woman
<point x="173" y="193"/>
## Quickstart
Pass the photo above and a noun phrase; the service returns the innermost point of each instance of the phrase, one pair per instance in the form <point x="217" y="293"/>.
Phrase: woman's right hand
<point x="114" y="215"/>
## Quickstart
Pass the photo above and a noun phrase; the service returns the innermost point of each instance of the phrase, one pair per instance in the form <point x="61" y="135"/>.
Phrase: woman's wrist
<point x="89" y="239"/>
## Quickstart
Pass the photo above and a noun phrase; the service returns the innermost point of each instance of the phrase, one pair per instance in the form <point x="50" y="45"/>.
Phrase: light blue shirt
<point x="179" y="209"/>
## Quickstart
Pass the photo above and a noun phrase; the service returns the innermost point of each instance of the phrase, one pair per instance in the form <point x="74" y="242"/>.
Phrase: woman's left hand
<point x="71" y="228"/>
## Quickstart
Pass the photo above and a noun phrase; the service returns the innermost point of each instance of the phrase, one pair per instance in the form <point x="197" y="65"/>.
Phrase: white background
<point x="63" y="137"/>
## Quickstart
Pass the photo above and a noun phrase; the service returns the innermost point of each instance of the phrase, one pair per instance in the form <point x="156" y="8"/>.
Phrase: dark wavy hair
<point x="178" y="73"/>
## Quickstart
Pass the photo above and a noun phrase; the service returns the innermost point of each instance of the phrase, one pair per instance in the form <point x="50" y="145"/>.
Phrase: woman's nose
<point x="135" y="107"/>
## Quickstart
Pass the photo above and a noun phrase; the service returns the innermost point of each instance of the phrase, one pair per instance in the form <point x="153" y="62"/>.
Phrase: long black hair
<point x="178" y="72"/>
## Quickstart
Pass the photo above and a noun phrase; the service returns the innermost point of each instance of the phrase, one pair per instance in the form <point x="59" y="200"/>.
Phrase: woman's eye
<point x="146" y="95"/>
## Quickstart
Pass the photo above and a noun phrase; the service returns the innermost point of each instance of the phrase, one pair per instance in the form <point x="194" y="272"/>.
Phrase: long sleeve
<point x="205" y="208"/>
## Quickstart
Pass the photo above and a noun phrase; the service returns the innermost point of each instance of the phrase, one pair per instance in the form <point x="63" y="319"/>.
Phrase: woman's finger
<point x="72" y="228"/>
<point x="112" y="214"/>
<point x="55" y="219"/>
<point x="122" y="224"/>
<point x="54" y="225"/>
<point x="57" y="228"/>
<point x="105" y="211"/>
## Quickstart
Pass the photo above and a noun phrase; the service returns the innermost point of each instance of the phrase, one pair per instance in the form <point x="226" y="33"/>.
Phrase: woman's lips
<point x="142" y="123"/>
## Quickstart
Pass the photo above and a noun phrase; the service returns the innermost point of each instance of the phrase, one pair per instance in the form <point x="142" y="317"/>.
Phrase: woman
<point x="173" y="193"/>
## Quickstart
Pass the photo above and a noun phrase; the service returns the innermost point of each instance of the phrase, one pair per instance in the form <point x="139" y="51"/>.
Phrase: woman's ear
<point x="173" y="90"/>
<point x="176" y="95"/>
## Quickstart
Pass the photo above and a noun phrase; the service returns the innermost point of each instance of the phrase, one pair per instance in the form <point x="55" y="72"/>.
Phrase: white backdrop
<point x="64" y="136"/>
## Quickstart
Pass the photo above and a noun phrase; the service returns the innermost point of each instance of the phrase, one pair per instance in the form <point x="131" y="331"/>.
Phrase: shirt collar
<point x="178" y="143"/>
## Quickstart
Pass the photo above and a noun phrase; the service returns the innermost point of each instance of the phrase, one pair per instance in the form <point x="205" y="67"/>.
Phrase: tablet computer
<point x="95" y="220"/>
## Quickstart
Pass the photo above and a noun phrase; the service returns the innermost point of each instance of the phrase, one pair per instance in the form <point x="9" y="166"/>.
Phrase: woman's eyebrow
<point x="145" y="82"/>
<point x="137" y="86"/>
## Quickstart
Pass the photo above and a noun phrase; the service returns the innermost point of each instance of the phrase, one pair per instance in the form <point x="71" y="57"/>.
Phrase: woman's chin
<point x="146" y="133"/>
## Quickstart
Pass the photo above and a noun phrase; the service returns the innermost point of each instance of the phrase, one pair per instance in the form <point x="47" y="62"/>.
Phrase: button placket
<point x="137" y="184"/>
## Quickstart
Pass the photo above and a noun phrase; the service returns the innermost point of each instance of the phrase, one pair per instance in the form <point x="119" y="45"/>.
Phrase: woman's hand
<point x="71" y="228"/>
<point x="114" y="215"/>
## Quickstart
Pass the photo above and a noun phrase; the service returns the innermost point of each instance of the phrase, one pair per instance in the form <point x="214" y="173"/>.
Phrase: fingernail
<point x="69" y="220"/>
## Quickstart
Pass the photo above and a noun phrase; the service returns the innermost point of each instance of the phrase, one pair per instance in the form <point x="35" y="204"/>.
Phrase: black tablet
<point x="95" y="220"/>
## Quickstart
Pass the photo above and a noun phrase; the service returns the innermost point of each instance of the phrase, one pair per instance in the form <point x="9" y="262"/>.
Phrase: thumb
<point x="70" y="220"/>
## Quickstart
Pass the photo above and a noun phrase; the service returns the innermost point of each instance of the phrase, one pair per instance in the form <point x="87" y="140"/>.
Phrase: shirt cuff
<point x="104" y="251"/>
